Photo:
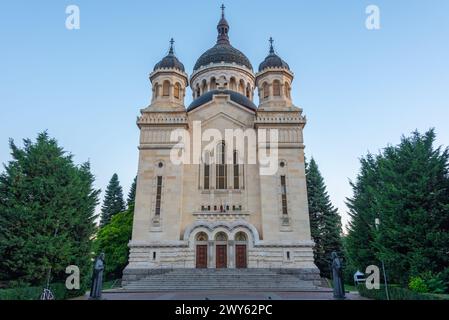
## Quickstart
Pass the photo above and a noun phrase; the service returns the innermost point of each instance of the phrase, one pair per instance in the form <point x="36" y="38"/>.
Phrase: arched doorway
<point x="201" y="250"/>
<point x="241" y="258"/>
<point x="221" y="250"/>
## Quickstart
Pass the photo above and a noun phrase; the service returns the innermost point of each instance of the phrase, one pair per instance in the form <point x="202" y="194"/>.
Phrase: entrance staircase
<point x="222" y="280"/>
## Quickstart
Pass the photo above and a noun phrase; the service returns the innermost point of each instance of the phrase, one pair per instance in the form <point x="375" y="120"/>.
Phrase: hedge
<point x="395" y="293"/>
<point x="33" y="293"/>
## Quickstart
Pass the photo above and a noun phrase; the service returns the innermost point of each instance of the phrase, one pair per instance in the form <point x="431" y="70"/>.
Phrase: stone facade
<point x="186" y="217"/>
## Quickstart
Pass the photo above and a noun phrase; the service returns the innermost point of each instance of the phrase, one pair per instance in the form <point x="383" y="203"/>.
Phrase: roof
<point x="235" y="96"/>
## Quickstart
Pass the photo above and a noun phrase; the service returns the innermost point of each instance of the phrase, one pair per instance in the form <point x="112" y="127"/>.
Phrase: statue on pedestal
<point x="97" y="278"/>
<point x="337" y="277"/>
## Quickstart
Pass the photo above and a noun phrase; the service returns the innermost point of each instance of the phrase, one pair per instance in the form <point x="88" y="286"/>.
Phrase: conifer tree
<point x="407" y="188"/>
<point x="113" y="202"/>
<point x="132" y="193"/>
<point x="47" y="213"/>
<point x="325" y="222"/>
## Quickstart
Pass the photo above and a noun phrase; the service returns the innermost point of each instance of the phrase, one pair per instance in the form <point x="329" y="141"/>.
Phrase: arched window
<point x="236" y="171"/>
<point x="201" y="236"/>
<point x="157" y="210"/>
<point x="204" y="87"/>
<point x="156" y="90"/>
<point x="206" y="171"/>
<point x="166" y="88"/>
<point x="221" y="176"/>
<point x="233" y="84"/>
<point x="198" y="93"/>
<point x="177" y="92"/>
<point x="213" y="83"/>
<point x="248" y="92"/>
<point x="241" y="236"/>
<point x="287" y="90"/>
<point x="276" y="88"/>
<point x="242" y="87"/>
<point x="265" y="90"/>
<point x="221" y="236"/>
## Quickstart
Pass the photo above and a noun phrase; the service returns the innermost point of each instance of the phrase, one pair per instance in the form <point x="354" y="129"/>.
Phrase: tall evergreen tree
<point x="407" y="188"/>
<point x="113" y="202"/>
<point x="47" y="213"/>
<point x="132" y="194"/>
<point x="325" y="222"/>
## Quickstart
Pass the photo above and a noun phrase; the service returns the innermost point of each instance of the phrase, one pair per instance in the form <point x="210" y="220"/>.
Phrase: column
<point x="210" y="254"/>
<point x="231" y="254"/>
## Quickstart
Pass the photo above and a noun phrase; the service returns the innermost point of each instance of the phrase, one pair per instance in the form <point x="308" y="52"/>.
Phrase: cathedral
<point x="222" y="214"/>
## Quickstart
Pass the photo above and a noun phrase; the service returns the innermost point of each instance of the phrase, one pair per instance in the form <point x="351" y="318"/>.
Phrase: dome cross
<point x="271" y="45"/>
<point x="171" y="51"/>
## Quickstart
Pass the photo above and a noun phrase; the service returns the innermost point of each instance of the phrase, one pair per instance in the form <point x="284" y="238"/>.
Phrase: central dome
<point x="222" y="51"/>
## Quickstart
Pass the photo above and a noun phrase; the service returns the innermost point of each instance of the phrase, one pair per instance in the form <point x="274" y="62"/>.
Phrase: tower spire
<point x="222" y="11"/>
<point x="171" y="50"/>
<point x="223" y="28"/>
<point x="271" y="45"/>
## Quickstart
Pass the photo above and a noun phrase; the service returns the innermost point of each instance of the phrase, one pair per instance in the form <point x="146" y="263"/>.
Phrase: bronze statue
<point x="337" y="275"/>
<point x="97" y="278"/>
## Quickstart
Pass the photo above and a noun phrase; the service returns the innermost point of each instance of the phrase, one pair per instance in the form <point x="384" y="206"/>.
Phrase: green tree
<point x="132" y="193"/>
<point x="113" y="202"/>
<point x="113" y="240"/>
<point x="47" y="207"/>
<point x="325" y="222"/>
<point x="407" y="188"/>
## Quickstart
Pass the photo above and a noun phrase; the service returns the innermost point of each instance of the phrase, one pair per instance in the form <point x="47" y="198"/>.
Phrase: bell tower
<point x="169" y="81"/>
<point x="274" y="81"/>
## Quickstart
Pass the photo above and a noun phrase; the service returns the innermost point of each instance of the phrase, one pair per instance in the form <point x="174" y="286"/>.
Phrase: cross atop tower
<point x="222" y="10"/>
<point x="171" y="46"/>
<point x="271" y="45"/>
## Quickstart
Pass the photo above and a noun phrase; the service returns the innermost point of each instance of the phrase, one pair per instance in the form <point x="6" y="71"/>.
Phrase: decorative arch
<point x="287" y="90"/>
<point x="230" y="227"/>
<point x="204" y="86"/>
<point x="233" y="84"/>
<point x="241" y="236"/>
<point x="166" y="88"/>
<point x="276" y="88"/>
<point x="221" y="236"/>
<point x="156" y="89"/>
<point x="201" y="236"/>
<point x="198" y="92"/>
<point x="248" y="91"/>
<point x="265" y="90"/>
<point x="213" y="83"/>
<point x="242" y="86"/>
<point x="177" y="90"/>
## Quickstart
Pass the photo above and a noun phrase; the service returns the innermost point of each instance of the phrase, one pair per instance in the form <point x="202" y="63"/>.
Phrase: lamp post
<point x="377" y="223"/>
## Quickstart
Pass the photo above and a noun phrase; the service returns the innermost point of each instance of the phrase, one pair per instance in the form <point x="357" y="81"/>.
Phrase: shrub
<point x="435" y="282"/>
<point x="33" y="293"/>
<point x="395" y="293"/>
<point x="417" y="284"/>
<point x="113" y="240"/>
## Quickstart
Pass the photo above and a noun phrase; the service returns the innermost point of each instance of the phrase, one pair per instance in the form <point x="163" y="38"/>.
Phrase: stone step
<point x="219" y="279"/>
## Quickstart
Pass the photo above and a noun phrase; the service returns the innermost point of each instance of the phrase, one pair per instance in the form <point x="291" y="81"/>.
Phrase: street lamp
<point x="377" y="223"/>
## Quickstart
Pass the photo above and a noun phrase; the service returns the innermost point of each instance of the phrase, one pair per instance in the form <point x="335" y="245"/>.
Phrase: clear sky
<point x="360" y="89"/>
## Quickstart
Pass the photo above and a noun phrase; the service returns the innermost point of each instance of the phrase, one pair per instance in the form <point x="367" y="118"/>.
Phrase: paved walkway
<point x="224" y="295"/>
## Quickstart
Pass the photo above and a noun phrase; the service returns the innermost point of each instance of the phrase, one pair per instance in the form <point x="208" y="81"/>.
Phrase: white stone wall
<point x="168" y="240"/>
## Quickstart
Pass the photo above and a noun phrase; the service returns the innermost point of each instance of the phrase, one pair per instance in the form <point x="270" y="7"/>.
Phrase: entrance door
<point x="240" y="256"/>
<point x="221" y="256"/>
<point x="201" y="256"/>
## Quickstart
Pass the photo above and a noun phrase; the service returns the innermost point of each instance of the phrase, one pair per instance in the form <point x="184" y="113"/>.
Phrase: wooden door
<point x="221" y="256"/>
<point x="201" y="256"/>
<point x="240" y="256"/>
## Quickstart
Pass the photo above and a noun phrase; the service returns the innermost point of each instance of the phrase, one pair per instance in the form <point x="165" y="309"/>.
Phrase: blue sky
<point x="360" y="89"/>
